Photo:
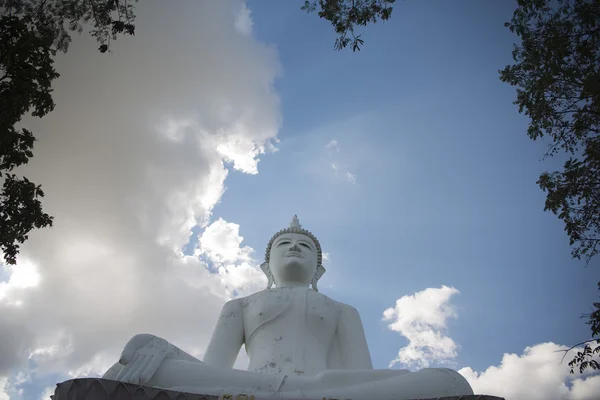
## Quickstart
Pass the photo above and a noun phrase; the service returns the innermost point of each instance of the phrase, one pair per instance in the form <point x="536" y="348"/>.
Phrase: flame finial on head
<point x="295" y="222"/>
<point x="295" y="227"/>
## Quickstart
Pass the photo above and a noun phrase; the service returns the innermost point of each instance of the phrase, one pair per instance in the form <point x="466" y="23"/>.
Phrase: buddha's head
<point x="293" y="256"/>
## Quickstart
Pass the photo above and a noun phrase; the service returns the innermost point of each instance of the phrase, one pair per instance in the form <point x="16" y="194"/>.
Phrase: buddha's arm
<point x="354" y="350"/>
<point x="227" y="337"/>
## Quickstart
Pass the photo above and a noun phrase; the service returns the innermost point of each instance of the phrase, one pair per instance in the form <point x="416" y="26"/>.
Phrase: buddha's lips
<point x="293" y="254"/>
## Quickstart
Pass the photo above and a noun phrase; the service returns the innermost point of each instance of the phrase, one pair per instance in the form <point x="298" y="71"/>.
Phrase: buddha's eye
<point x="283" y="242"/>
<point x="305" y="245"/>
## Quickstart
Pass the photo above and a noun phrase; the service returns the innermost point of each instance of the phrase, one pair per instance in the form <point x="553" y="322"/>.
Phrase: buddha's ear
<point x="318" y="274"/>
<point x="265" y="268"/>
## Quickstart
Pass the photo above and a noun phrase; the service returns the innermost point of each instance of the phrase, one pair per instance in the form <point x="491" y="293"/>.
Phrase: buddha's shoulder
<point x="344" y="307"/>
<point x="323" y="298"/>
<point x="331" y="303"/>
<point x="313" y="296"/>
<point x="244" y="301"/>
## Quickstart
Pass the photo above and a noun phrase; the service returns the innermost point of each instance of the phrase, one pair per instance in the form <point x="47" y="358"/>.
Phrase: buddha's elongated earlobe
<point x="265" y="268"/>
<point x="318" y="274"/>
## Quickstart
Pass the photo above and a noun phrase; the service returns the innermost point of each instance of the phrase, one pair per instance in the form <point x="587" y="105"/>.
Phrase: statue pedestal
<point x="105" y="389"/>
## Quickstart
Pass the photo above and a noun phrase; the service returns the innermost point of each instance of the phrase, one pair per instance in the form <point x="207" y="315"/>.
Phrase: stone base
<point x="105" y="389"/>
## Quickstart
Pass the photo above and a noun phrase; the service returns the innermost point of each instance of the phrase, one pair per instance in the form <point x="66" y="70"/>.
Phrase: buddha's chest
<point x="299" y="311"/>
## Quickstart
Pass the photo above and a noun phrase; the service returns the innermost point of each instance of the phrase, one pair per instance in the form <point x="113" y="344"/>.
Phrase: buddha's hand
<point x="141" y="358"/>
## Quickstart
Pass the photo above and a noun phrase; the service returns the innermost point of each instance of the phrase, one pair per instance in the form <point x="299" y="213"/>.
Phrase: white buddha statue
<point x="301" y="343"/>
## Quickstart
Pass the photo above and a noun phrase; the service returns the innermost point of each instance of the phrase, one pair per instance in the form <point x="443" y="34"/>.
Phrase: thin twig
<point x="575" y="345"/>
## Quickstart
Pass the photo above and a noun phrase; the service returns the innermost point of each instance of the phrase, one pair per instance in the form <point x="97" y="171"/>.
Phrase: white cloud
<point x="96" y="366"/>
<point x="351" y="177"/>
<point x="12" y="387"/>
<point x="130" y="160"/>
<point x="243" y="279"/>
<point x="243" y="21"/>
<point x="341" y="170"/>
<point x="3" y="388"/>
<point x="537" y="374"/>
<point x="49" y="391"/>
<point x="237" y="146"/>
<point x="24" y="276"/>
<point x="585" y="389"/>
<point x="221" y="244"/>
<point x="421" y="318"/>
<point x="333" y="144"/>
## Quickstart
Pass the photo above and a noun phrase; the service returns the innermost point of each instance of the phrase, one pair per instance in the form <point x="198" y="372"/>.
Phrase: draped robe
<point x="292" y="331"/>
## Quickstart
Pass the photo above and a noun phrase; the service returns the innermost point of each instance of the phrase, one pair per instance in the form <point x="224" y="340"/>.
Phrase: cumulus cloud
<point x="12" y="387"/>
<point x="134" y="156"/>
<point x="221" y="244"/>
<point x="23" y="276"/>
<point x="243" y="21"/>
<point x="585" y="389"/>
<point x="3" y="387"/>
<point x="49" y="391"/>
<point x="536" y="374"/>
<point x="421" y="318"/>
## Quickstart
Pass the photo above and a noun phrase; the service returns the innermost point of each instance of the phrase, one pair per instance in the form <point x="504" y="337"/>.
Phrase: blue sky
<point x="445" y="187"/>
<point x="407" y="160"/>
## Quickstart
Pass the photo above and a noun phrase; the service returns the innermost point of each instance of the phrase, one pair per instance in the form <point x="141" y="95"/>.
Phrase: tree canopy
<point x="31" y="34"/>
<point x="557" y="75"/>
<point x="347" y="15"/>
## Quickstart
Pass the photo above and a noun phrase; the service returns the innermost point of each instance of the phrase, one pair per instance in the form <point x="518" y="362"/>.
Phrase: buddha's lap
<point x="178" y="373"/>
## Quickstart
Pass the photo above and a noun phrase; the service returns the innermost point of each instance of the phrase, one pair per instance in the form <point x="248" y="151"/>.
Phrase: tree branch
<point x="575" y="345"/>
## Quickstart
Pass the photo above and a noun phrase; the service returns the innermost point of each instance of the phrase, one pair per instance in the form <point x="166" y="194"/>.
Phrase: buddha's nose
<point x="295" y="247"/>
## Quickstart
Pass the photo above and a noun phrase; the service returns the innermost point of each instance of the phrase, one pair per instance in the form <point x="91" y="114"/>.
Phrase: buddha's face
<point x="293" y="259"/>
